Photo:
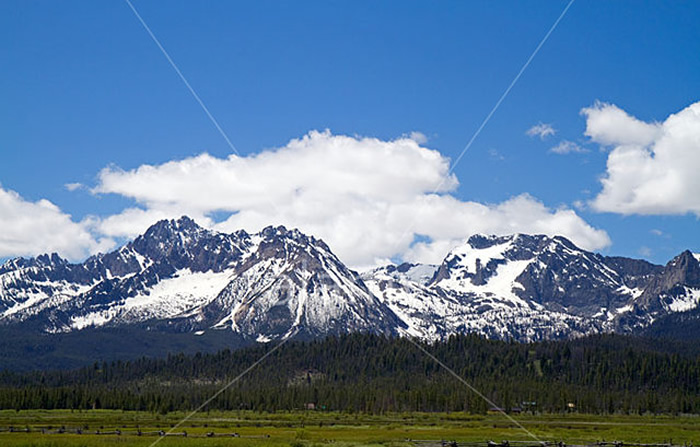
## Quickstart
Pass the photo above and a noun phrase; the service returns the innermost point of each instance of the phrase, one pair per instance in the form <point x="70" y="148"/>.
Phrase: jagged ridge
<point x="178" y="276"/>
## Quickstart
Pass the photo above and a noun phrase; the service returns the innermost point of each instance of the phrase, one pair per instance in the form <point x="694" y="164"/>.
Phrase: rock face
<point x="181" y="277"/>
<point x="674" y="289"/>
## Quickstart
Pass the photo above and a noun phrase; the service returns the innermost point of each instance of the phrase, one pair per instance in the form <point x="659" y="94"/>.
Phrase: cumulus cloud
<point x="607" y="124"/>
<point x="567" y="147"/>
<point x="308" y="176"/>
<point x="30" y="228"/>
<point x="366" y="197"/>
<point x="541" y="130"/>
<point x="653" y="167"/>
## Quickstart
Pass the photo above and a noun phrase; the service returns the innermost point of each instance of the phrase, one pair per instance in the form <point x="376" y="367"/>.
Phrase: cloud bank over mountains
<point x="370" y="200"/>
<point x="367" y="198"/>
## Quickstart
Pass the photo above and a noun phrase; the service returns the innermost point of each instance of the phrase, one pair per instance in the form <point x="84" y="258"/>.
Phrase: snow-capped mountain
<point x="181" y="277"/>
<point x="294" y="281"/>
<point x="531" y="287"/>
<point x="261" y="286"/>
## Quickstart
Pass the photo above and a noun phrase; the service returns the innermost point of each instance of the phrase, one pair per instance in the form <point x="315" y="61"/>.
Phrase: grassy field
<point x="338" y="429"/>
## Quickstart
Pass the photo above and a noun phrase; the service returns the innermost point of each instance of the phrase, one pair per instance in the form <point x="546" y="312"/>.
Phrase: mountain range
<point x="180" y="278"/>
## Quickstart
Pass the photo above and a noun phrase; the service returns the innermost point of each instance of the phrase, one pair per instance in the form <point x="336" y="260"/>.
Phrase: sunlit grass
<point x="339" y="429"/>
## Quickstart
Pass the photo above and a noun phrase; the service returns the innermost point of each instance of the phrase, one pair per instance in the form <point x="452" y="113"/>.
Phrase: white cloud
<point x="653" y="168"/>
<point x="367" y="198"/>
<point x="73" y="186"/>
<point x="567" y="147"/>
<point x="418" y="137"/>
<point x="31" y="228"/>
<point x="607" y="124"/>
<point x="541" y="130"/>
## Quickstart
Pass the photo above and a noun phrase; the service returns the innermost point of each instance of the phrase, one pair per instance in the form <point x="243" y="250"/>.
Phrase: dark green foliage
<point x="368" y="373"/>
<point x="677" y="325"/>
<point x="31" y="349"/>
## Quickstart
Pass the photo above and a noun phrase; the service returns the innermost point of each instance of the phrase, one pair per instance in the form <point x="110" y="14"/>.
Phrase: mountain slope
<point x="295" y="281"/>
<point x="531" y="287"/>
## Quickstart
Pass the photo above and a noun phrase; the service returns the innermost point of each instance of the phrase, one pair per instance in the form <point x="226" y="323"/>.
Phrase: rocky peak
<point x="42" y="261"/>
<point x="684" y="269"/>
<point x="280" y="236"/>
<point x="51" y="260"/>
<point x="521" y="246"/>
<point x="166" y="229"/>
<point x="479" y="258"/>
<point x="168" y="236"/>
<point x="272" y="233"/>
<point x="481" y="241"/>
<point x="677" y="277"/>
<point x="687" y="265"/>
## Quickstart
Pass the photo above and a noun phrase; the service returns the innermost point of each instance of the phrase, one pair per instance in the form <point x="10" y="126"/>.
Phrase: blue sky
<point x="84" y="88"/>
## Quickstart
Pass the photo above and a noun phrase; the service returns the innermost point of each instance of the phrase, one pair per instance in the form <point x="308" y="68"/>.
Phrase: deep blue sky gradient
<point x="82" y="86"/>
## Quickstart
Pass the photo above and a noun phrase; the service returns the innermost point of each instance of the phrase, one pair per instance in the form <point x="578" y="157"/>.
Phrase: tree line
<point x="376" y="374"/>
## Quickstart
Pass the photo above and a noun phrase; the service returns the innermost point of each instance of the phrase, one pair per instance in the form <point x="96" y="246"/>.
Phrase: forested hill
<point x="377" y="374"/>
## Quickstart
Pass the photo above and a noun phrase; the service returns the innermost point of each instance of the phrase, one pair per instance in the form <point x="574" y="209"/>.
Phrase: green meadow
<point x="311" y="428"/>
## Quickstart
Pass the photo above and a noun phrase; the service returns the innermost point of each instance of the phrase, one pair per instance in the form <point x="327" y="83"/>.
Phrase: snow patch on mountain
<point x="470" y="258"/>
<point x="634" y="292"/>
<point x="683" y="302"/>
<point x="499" y="286"/>
<point x="421" y="308"/>
<point x="168" y="298"/>
<point x="47" y="293"/>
